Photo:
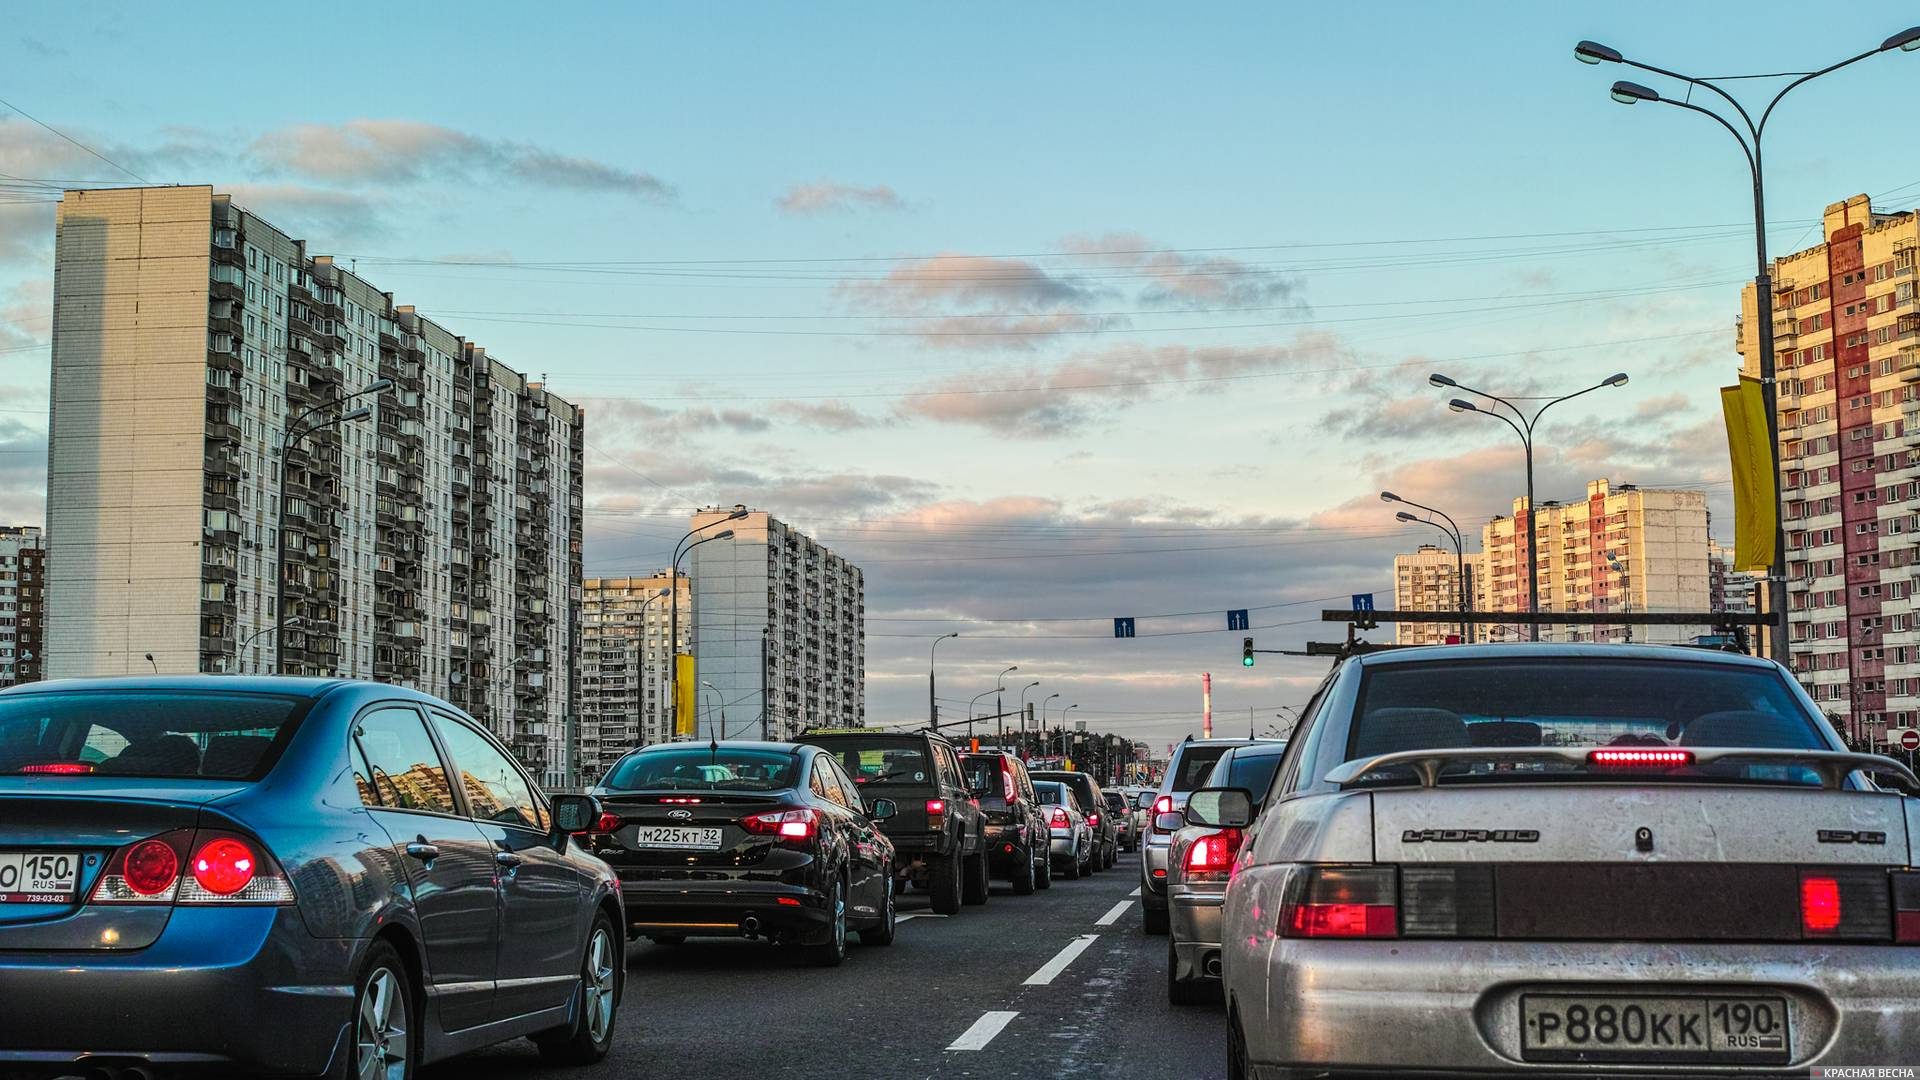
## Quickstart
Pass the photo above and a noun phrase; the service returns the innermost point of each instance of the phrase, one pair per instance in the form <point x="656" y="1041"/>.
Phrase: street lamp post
<point x="673" y="610"/>
<point x="1043" y="711"/>
<point x="1627" y="93"/>
<point x="722" y="698"/>
<point x="1452" y="529"/>
<point x="933" y="708"/>
<point x="299" y="428"/>
<point x="1626" y="583"/>
<point x="1023" y="712"/>
<point x="1522" y="425"/>
<point x="1000" y="707"/>
<point x="640" y="657"/>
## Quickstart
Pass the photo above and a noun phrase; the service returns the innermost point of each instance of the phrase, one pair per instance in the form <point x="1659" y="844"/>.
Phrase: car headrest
<point x="168" y="755"/>
<point x="1746" y="727"/>
<point x="1504" y="733"/>
<point x="1387" y="731"/>
<point x="233" y="756"/>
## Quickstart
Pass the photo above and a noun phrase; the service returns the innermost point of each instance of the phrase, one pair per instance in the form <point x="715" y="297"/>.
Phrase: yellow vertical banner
<point x="684" y="720"/>
<point x="1756" y="501"/>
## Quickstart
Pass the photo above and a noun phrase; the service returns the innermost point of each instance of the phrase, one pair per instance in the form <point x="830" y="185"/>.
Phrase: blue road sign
<point x="1237" y="620"/>
<point x="1123" y="628"/>
<point x="1363" y="601"/>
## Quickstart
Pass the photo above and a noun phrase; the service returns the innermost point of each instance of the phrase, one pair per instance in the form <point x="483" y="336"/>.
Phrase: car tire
<point x="382" y="992"/>
<point x="596" y="1004"/>
<point x="832" y="951"/>
<point x="1182" y="991"/>
<point x="1023" y="873"/>
<point x="975" y="889"/>
<point x="1153" y="921"/>
<point x="1073" y="867"/>
<point x="1043" y="873"/>
<point x="883" y="933"/>
<point x="943" y="883"/>
<point x="1239" y="1065"/>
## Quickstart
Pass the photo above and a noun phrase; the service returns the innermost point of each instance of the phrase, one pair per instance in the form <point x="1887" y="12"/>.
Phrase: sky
<point x="1041" y="314"/>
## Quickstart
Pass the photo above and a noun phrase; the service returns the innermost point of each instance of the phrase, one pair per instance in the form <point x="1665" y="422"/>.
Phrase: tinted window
<point x="698" y="768"/>
<point x="495" y="789"/>
<point x="1051" y="794"/>
<point x="144" y="733"/>
<point x="982" y="771"/>
<point x="1249" y="769"/>
<point x="406" y="768"/>
<point x="1579" y="703"/>
<point x="1195" y="763"/>
<point x="883" y="761"/>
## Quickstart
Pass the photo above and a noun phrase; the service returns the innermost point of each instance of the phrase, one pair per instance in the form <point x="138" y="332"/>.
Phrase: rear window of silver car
<point x="1560" y="702"/>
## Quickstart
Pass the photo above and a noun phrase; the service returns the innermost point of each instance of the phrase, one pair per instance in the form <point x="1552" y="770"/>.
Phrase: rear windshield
<point x="1196" y="762"/>
<point x="157" y="733"/>
<point x="1251" y="771"/>
<point x="882" y="761"/>
<point x="698" y="768"/>
<point x="983" y="771"/>
<point x="1080" y="782"/>
<point x="1052" y="794"/>
<point x="1562" y="702"/>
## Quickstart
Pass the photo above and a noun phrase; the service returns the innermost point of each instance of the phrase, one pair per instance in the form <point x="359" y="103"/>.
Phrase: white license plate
<point x="1563" y="1027"/>
<point x="38" y="877"/>
<point x="675" y="838"/>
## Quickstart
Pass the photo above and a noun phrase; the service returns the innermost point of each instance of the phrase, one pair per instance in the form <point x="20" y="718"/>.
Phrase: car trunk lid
<point x="638" y="840"/>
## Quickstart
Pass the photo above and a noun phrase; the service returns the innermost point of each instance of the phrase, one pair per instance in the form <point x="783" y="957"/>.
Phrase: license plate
<point x="38" y="877"/>
<point x="1566" y="1027"/>
<point x="675" y="838"/>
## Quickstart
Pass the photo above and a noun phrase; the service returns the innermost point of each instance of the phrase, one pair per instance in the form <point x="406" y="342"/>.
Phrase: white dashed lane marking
<point x="917" y="915"/>
<point x="1135" y="892"/>
<point x="1052" y="968"/>
<point x="1113" y="914"/>
<point x="982" y="1031"/>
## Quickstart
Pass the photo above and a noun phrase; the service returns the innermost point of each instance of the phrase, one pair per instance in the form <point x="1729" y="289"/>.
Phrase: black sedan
<point x="747" y="839"/>
<point x="271" y="876"/>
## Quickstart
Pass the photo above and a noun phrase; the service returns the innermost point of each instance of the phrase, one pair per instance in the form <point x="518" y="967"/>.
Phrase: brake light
<point x="1819" y="905"/>
<point x="798" y="824"/>
<point x="1093" y="819"/>
<point x="683" y="800"/>
<point x="1346" y="902"/>
<point x="1649" y="758"/>
<point x="225" y="868"/>
<point x="1007" y="788"/>
<point x="1163" y="805"/>
<point x="606" y="823"/>
<point x="59" y="768"/>
<point x="1211" y="857"/>
<point x="1906" y="908"/>
<point x="936" y="807"/>
<point x="1059" y="819"/>
<point x="152" y="867"/>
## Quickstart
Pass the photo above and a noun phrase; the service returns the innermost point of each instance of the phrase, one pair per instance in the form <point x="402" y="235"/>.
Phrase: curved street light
<point x="673" y="612"/>
<point x="1452" y="529"/>
<point x="1023" y="711"/>
<point x="1749" y="135"/>
<point x="1000" y="707"/>
<point x="1523" y="426"/>
<point x="933" y="709"/>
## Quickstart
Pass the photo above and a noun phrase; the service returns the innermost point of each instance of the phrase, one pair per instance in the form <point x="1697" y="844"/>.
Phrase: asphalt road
<point x="729" y="1009"/>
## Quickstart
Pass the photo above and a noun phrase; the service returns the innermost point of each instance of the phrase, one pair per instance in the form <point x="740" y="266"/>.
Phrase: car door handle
<point x="507" y="859"/>
<point x="423" y="851"/>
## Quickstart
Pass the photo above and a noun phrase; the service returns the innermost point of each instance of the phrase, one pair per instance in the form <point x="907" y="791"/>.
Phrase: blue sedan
<point x="279" y="876"/>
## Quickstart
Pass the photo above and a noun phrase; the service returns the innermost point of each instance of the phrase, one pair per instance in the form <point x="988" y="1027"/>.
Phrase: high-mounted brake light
<point x="59" y="768"/>
<point x="1349" y="902"/>
<point x="1651" y="758"/>
<point x="681" y="800"/>
<point x="799" y="824"/>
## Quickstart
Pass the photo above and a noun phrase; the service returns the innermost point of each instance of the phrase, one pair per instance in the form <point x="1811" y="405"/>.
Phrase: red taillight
<point x="224" y="866"/>
<point x="1349" y="902"/>
<point x="1093" y="819"/>
<point x="59" y="768"/>
<point x="151" y="868"/>
<point x="1649" y="758"/>
<point x="1819" y="905"/>
<point x="1008" y="790"/>
<point x="607" y="823"/>
<point x="1212" y="856"/>
<point x="936" y="807"/>
<point x="800" y="824"/>
<point x="1163" y="805"/>
<point x="1906" y="907"/>
<point x="1059" y="819"/>
<point x="786" y="901"/>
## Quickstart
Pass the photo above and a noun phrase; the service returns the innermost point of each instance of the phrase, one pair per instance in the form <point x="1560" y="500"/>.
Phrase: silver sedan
<point x="1541" y="859"/>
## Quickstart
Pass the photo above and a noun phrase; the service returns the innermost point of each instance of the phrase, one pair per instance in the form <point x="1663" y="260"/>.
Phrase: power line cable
<point x="74" y="141"/>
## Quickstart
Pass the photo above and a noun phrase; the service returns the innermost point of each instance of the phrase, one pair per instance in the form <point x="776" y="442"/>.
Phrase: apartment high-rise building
<point x="1847" y="352"/>
<point x="23" y="604"/>
<point x="1429" y="580"/>
<point x="433" y="542"/>
<point x="624" y="661"/>
<point x="779" y="630"/>
<point x="1622" y="549"/>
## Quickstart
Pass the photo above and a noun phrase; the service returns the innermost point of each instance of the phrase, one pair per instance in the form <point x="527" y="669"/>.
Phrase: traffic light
<point x="1246" y="652"/>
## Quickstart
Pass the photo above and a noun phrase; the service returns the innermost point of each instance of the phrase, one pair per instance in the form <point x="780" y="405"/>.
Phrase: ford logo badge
<point x="680" y="815"/>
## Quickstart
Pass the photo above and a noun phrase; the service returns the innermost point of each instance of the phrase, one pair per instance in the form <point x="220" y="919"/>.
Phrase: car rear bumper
<point x="1193" y="923"/>
<point x="1426" y="1005"/>
<point x="1062" y="848"/>
<point x="998" y="839"/>
<point x="239" y="989"/>
<point x="722" y="908"/>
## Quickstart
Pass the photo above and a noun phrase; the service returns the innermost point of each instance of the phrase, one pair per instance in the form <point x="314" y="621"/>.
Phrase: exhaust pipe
<point x="751" y="926"/>
<point x="1211" y="965"/>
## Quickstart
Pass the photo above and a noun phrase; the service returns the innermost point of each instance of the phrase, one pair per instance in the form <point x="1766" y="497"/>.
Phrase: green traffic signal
<point x="1246" y="652"/>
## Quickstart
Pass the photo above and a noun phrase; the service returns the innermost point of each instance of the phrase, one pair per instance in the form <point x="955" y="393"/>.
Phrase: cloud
<point x="26" y="314"/>
<point x="954" y="281"/>
<point x="1179" y="279"/>
<point x="1662" y="408"/>
<point x="826" y="197"/>
<point x="339" y="216"/>
<point x="368" y="151"/>
<point x="836" y="416"/>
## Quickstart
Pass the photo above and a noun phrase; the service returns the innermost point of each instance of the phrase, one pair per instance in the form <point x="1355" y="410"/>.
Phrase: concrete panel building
<point x="434" y="543"/>
<point x="624" y="660"/>
<point x="779" y="630"/>
<point x="1429" y="580"/>
<point x="23" y="604"/>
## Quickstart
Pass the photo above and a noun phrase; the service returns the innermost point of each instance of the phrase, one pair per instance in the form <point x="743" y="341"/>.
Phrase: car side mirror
<point x="1220" y="808"/>
<point x="573" y="815"/>
<point x="1171" y="821"/>
<point x="882" y="809"/>
<point x="1145" y="800"/>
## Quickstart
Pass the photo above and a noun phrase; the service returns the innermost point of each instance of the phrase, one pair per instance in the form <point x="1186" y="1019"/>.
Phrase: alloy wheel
<point x="600" y="985"/>
<point x="380" y="1029"/>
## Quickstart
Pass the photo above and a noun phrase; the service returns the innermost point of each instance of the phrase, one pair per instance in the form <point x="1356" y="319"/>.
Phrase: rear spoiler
<point x="1833" y="766"/>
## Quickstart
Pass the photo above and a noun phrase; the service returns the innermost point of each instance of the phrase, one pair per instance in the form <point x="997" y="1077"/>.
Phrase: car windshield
<point x="1580" y="703"/>
<point x="1196" y="762"/>
<point x="884" y="761"/>
<point x="701" y="768"/>
<point x="158" y="733"/>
